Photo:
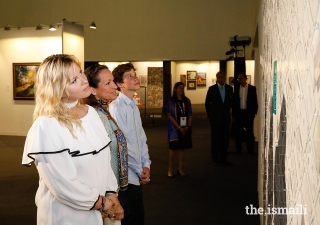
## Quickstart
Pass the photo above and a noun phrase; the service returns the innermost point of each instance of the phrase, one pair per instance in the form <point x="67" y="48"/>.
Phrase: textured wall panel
<point x="291" y="152"/>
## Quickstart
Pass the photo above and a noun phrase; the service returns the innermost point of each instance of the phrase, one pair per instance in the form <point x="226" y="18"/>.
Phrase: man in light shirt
<point x="245" y="107"/>
<point x="126" y="113"/>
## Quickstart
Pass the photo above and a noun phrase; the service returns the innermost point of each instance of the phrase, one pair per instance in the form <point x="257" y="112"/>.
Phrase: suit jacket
<point x="252" y="102"/>
<point x="218" y="111"/>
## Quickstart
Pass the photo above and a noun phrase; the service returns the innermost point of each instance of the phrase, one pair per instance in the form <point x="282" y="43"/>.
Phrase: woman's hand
<point x="183" y="130"/>
<point x="117" y="214"/>
<point x="113" y="207"/>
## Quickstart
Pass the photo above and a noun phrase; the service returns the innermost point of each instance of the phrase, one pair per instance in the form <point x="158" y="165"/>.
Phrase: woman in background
<point x="103" y="91"/>
<point x="179" y="112"/>
<point x="70" y="148"/>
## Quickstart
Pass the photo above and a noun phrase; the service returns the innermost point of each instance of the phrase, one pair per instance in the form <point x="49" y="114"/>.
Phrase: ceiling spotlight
<point x="93" y="25"/>
<point x="7" y="28"/>
<point x="52" y="28"/>
<point x="39" y="27"/>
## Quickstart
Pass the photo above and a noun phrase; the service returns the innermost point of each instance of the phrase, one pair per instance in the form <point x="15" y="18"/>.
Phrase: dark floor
<point x="208" y="195"/>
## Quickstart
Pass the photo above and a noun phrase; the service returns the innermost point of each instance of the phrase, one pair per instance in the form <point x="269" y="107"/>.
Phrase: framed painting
<point x="249" y="79"/>
<point x="201" y="79"/>
<point x="191" y="85"/>
<point x="23" y="80"/>
<point x="183" y="79"/>
<point x="191" y="75"/>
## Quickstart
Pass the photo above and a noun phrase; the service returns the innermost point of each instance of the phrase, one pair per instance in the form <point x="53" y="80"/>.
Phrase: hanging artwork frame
<point x="201" y="79"/>
<point x="191" y="85"/>
<point x="191" y="75"/>
<point x="23" y="80"/>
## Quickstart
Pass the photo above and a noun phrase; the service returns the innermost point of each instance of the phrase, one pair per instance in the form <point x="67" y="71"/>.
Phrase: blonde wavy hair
<point x="51" y="82"/>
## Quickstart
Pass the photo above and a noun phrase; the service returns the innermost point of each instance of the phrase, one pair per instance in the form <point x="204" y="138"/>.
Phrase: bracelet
<point x="101" y="208"/>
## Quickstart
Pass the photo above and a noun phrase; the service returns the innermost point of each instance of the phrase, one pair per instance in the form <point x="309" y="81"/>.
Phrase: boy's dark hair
<point x="120" y="70"/>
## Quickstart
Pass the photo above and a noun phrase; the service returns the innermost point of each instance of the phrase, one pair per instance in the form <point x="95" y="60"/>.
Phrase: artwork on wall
<point x="191" y="85"/>
<point x="155" y="87"/>
<point x="249" y="79"/>
<point x="183" y="79"/>
<point x="201" y="79"/>
<point x="191" y="75"/>
<point x="23" y="80"/>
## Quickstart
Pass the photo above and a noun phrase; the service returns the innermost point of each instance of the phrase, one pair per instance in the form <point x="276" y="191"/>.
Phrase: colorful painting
<point x="23" y="80"/>
<point x="201" y="79"/>
<point x="183" y="79"/>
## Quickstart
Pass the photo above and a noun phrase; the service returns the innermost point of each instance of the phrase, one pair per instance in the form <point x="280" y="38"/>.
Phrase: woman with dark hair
<point x="179" y="112"/>
<point x="103" y="91"/>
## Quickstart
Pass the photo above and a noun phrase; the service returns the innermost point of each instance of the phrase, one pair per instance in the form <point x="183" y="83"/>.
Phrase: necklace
<point x="70" y="105"/>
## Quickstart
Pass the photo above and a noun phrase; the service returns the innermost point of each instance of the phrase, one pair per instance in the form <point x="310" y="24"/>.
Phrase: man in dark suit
<point x="245" y="107"/>
<point x="218" y="105"/>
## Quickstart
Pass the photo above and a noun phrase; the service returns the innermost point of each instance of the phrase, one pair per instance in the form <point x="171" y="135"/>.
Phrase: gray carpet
<point x="208" y="195"/>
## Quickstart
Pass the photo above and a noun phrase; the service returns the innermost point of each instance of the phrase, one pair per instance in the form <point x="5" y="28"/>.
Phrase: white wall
<point x="25" y="45"/>
<point x="30" y="45"/>
<point x="209" y="67"/>
<point x="73" y="40"/>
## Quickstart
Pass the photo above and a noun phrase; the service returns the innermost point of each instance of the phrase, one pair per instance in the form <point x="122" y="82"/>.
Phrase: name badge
<point x="183" y="121"/>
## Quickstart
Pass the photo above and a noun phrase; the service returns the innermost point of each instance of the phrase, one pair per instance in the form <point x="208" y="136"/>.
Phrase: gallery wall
<point x="25" y="46"/>
<point x="144" y="30"/>
<point x="21" y="46"/>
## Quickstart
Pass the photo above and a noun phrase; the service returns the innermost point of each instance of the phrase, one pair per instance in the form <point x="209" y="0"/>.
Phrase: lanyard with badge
<point x="183" y="118"/>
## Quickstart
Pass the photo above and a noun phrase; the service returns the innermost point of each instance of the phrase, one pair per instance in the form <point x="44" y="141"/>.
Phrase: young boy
<point x="125" y="111"/>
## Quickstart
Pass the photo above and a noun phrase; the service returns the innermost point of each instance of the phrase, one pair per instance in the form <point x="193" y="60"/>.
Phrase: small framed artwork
<point x="201" y="79"/>
<point x="183" y="79"/>
<point x="231" y="81"/>
<point x="23" y="80"/>
<point x="249" y="79"/>
<point x="191" y="75"/>
<point x="191" y="85"/>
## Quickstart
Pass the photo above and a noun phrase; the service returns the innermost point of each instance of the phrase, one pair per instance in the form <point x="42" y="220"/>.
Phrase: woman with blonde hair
<point x="70" y="148"/>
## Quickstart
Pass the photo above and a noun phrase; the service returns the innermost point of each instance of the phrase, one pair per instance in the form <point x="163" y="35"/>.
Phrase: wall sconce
<point x="8" y="27"/>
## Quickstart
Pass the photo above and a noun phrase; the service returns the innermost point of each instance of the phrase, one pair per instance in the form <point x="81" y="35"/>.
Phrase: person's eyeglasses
<point x="130" y="77"/>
